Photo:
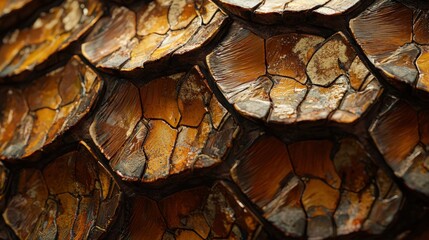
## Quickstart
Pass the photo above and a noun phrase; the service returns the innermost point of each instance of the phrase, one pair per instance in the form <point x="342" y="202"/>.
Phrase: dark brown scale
<point x="35" y="114"/>
<point x="152" y="32"/>
<point x="222" y="119"/>
<point x="145" y="144"/>
<point x="401" y="133"/>
<point x="308" y="78"/>
<point x="305" y="188"/>
<point x="404" y="33"/>
<point x="70" y="197"/>
<point x="13" y="12"/>
<point x="34" y="47"/>
<point x="196" y="213"/>
<point x="319" y="12"/>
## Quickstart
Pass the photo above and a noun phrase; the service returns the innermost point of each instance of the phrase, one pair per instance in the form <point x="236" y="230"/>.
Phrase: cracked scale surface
<point x="25" y="50"/>
<point x="307" y="188"/>
<point x="292" y="78"/>
<point x="168" y="125"/>
<point x="70" y="197"/>
<point x="35" y="114"/>
<point x="405" y="34"/>
<point x="152" y="32"/>
<point x="223" y="119"/>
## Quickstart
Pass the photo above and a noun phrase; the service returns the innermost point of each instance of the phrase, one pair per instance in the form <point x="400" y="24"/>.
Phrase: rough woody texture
<point x="214" y="119"/>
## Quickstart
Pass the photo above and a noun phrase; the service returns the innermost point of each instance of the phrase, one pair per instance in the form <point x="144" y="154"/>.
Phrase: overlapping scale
<point x="13" y="11"/>
<point x="28" y="50"/>
<point x="293" y="77"/>
<point x="321" y="12"/>
<point x="34" y="114"/>
<point x="71" y="197"/>
<point x="169" y="125"/>
<point x="404" y="34"/>
<point x="401" y="133"/>
<point x="151" y="32"/>
<point x="189" y="168"/>
<point x="196" y="213"/>
<point x="318" y="188"/>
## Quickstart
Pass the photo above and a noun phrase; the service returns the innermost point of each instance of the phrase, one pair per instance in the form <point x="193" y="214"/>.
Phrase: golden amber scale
<point x="214" y="119"/>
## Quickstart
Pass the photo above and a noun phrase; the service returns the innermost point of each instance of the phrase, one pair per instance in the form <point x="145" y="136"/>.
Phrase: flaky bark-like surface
<point x="36" y="113"/>
<point x="70" y="197"/>
<point x="197" y="213"/>
<point x="9" y="6"/>
<point x="152" y="32"/>
<point x="404" y="33"/>
<point x="14" y="11"/>
<point x="309" y="189"/>
<point x="24" y="50"/>
<point x="273" y="12"/>
<point x="222" y="119"/>
<point x="293" y="78"/>
<point x="169" y="125"/>
<point x="401" y="133"/>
